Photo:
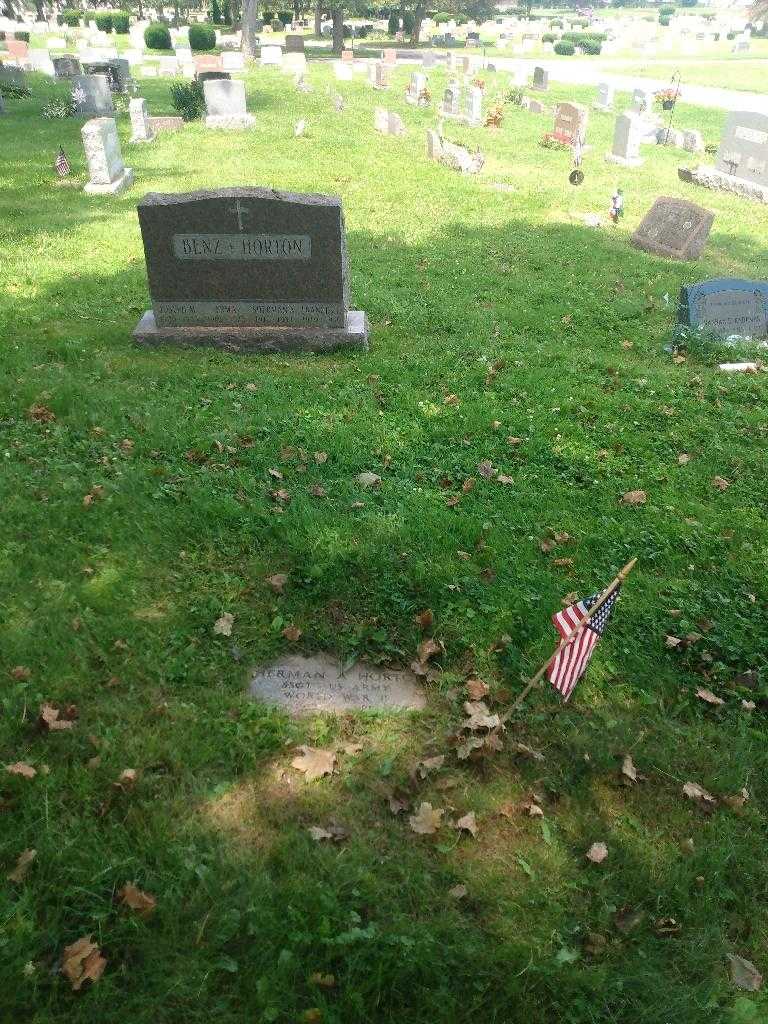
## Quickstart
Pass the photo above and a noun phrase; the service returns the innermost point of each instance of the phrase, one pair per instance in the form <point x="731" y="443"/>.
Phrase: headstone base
<point x="125" y="180"/>
<point x="143" y="138"/>
<point x="710" y="177"/>
<point x="623" y="161"/>
<point x="234" y="338"/>
<point x="230" y="121"/>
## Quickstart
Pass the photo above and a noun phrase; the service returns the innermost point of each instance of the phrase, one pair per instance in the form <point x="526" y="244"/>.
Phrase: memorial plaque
<point x="317" y="683"/>
<point x="248" y="269"/>
<point x="727" y="306"/>
<point x="674" y="228"/>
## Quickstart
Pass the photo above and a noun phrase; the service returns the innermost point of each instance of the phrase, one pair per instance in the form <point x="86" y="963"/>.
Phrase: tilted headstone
<point x="475" y="106"/>
<point x="106" y="171"/>
<point x="540" y="79"/>
<point x="416" y="87"/>
<point x="92" y="96"/>
<point x="379" y="75"/>
<point x="141" y="128"/>
<point x="225" y="104"/>
<point x="434" y="145"/>
<point x="674" y="228"/>
<point x="605" y="94"/>
<point x="628" y="132"/>
<point x="248" y="270"/>
<point x="727" y="306"/>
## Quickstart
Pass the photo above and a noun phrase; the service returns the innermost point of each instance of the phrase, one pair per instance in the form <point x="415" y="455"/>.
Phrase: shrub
<point x="409" y="23"/>
<point x="268" y="16"/>
<point x="731" y="35"/>
<point x="226" y="12"/>
<point x="71" y="18"/>
<point x="346" y="31"/>
<point x="157" y="36"/>
<point x="103" y="22"/>
<point x="23" y="36"/>
<point x="362" y="31"/>
<point x="664" y="20"/>
<point x="13" y="92"/>
<point x="120" y="23"/>
<point x="556" y="24"/>
<point x="216" y="12"/>
<point x="187" y="98"/>
<point x="665" y="12"/>
<point x="286" y="17"/>
<point x="548" y="37"/>
<point x="202" y="37"/>
<point x="565" y="48"/>
<point x="393" y="23"/>
<point x="591" y="47"/>
<point x="440" y="18"/>
<point x="515" y="96"/>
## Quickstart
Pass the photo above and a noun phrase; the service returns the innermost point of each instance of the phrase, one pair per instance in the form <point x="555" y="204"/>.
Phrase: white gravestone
<point x="141" y="129"/>
<point x="627" y="136"/>
<point x="106" y="170"/>
<point x="225" y="104"/>
<point x="272" y="55"/>
<point x="604" y="102"/>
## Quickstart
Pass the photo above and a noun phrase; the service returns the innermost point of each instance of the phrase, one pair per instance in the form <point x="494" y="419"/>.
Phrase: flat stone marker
<point x="248" y="270"/>
<point x="727" y="306"/>
<point x="674" y="228"/>
<point x="316" y="684"/>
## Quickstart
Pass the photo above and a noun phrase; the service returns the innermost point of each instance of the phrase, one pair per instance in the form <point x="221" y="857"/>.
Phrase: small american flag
<point x="61" y="164"/>
<point x="571" y="661"/>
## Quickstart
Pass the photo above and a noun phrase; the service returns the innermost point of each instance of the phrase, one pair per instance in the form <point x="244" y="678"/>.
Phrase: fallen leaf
<point x="277" y="582"/>
<point x="429" y="764"/>
<point x="597" y="853"/>
<point x="320" y="457"/>
<point x="634" y="498"/>
<point x="127" y="779"/>
<point x="683" y="459"/>
<point x="451" y="400"/>
<point x="141" y="902"/>
<point x="468" y="484"/>
<point x="547" y="545"/>
<point x="82" y="961"/>
<point x="479" y="716"/>
<point x="522" y="748"/>
<point x="514" y="440"/>
<point x="476" y="689"/>
<point x="563" y="563"/>
<point x="467" y="823"/>
<point x="368" y="479"/>
<point x="532" y="809"/>
<point x="41" y="414"/>
<point x="19" y="768"/>
<point x="627" y="919"/>
<point x="275" y="474"/>
<point x="737" y="800"/>
<point x="428" y="649"/>
<point x="695" y="792"/>
<point x="628" y="769"/>
<point x="748" y="705"/>
<point x="314" y="762"/>
<point x="21" y="672"/>
<point x="424" y="619"/>
<point x="292" y="633"/>
<point x="687" y="847"/>
<point x="323" y="980"/>
<point x="317" y="491"/>
<point x="22" y="866"/>
<point x="223" y="625"/>
<point x="313" y="1015"/>
<point x="745" y="975"/>
<point x="318" y="833"/>
<point x="672" y="641"/>
<point x="55" y="719"/>
<point x="486" y="470"/>
<point x="426" y="821"/>
<point x="351" y="748"/>
<point x="710" y="698"/>
<point x="458" y="892"/>
<point x="721" y="483"/>
<point x="502" y="478"/>
<point x="665" y="927"/>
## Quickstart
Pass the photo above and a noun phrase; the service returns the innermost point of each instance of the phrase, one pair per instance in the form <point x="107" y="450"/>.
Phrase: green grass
<point x="111" y="607"/>
<point x="745" y="74"/>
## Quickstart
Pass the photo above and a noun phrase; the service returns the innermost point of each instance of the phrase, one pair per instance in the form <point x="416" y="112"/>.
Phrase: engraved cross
<point x="241" y="212"/>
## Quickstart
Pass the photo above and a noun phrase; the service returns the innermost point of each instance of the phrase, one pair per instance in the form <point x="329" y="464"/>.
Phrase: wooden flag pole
<point x="571" y="636"/>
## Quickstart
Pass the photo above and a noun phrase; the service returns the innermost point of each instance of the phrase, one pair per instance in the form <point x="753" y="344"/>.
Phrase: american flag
<point x="61" y="164"/>
<point x="572" y="659"/>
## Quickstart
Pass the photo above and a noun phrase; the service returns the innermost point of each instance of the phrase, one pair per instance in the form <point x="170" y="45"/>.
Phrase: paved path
<point x="582" y="72"/>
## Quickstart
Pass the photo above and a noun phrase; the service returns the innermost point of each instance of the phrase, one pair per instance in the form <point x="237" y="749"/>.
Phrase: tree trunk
<point x="318" y="18"/>
<point x="338" y="29"/>
<point x="250" y="11"/>
<point x="418" y="17"/>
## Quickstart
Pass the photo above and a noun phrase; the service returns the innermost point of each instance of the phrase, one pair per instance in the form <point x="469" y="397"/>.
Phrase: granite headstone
<point x="727" y="306"/>
<point x="674" y="228"/>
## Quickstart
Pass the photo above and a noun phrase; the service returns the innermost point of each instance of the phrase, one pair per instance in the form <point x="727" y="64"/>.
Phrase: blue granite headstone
<point x="727" y="306"/>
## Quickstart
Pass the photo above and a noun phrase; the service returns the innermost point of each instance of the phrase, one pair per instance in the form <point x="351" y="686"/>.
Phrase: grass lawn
<point x="545" y="331"/>
<point x="740" y="73"/>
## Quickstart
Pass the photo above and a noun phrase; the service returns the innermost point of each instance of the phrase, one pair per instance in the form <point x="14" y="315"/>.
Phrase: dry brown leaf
<point x="429" y="764"/>
<point x="223" y="625"/>
<point x="628" y="769"/>
<point x="368" y="479"/>
<point x="458" y="892"/>
<point x="479" y="716"/>
<point x="502" y="478"/>
<point x="323" y="980"/>
<point x="21" y="672"/>
<point x="426" y="821"/>
<point x="320" y="457"/>
<point x="683" y="459"/>
<point x="672" y="642"/>
<point x="710" y="698"/>
<point x="141" y="902"/>
<point x="22" y="866"/>
<point x="467" y="823"/>
<point x="634" y="498"/>
<point x="351" y="748"/>
<point x="317" y="491"/>
<point x="275" y="474"/>
<point x="41" y="414"/>
<point x="476" y="689"/>
<point x="20" y="768"/>
<point x="292" y="633"/>
<point x="563" y="563"/>
<point x="281" y="496"/>
<point x="82" y="961"/>
<point x="745" y="975"/>
<point x="532" y="809"/>
<point x="526" y="751"/>
<point x="695" y="792"/>
<point x="721" y="483"/>
<point x="666" y="927"/>
<point x="597" y="853"/>
<point x="468" y="484"/>
<point x="318" y="833"/>
<point x="687" y="847"/>
<point x="737" y="800"/>
<point x="55" y="719"/>
<point x="627" y="919"/>
<point x="514" y="440"/>
<point x="424" y="619"/>
<point x="127" y="779"/>
<point x="277" y="582"/>
<point x="314" y="762"/>
<point x="486" y="470"/>
<point x="547" y="545"/>
<point x="428" y="649"/>
<point x="451" y="400"/>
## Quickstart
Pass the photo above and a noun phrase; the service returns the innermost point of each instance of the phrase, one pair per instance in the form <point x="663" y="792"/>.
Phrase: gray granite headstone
<point x="225" y="104"/>
<point x="92" y="95"/>
<point x="106" y="170"/>
<point x="13" y="76"/>
<point x="141" y="127"/>
<point x="248" y="269"/>
<point x="674" y="228"/>
<point x="628" y="133"/>
<point x="727" y="306"/>
<point x="66" y="67"/>
<point x="743" y="151"/>
<point x="540" y="79"/>
<point x="294" y="44"/>
<point x="317" y="683"/>
<point x="604" y="100"/>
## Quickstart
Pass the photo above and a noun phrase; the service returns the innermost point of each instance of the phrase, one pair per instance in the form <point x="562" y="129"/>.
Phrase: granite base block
<point x="234" y="122"/>
<point x="125" y="180"/>
<point x="710" y="177"/>
<point x="623" y="161"/>
<point x="135" y="139"/>
<point x="255" y="340"/>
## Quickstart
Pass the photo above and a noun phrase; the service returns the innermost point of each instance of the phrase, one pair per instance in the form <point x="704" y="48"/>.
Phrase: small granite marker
<point x="248" y="270"/>
<point x="106" y="170"/>
<point x="674" y="228"/>
<point x="317" y="684"/>
<point x="141" y="127"/>
<point x="225" y="104"/>
<point x="727" y="306"/>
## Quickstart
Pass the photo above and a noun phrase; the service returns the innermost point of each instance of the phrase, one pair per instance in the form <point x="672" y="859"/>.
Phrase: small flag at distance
<point x="62" y="164"/>
<point x="572" y="659"/>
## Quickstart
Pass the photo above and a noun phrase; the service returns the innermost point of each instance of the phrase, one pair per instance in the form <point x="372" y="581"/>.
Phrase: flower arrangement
<point x="478" y="83"/>
<point x="667" y="97"/>
<point x="494" y="117"/>
<point x="425" y="98"/>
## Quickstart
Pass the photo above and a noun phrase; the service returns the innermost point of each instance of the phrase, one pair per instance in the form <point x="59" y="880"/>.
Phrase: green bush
<point x="665" y="12"/>
<point x="103" y="22"/>
<point x="226" y="12"/>
<point x="120" y="23"/>
<point x="441" y="18"/>
<point x="268" y="16"/>
<point x="157" y="36"/>
<point x="688" y="3"/>
<point x="59" y="107"/>
<point x="548" y="37"/>
<point x="286" y="17"/>
<point x="71" y="18"/>
<point x="664" y="20"/>
<point x="202" y="37"/>
<point x="731" y="35"/>
<point x="187" y="98"/>
<point x="579" y="37"/>
<point x="393" y="23"/>
<point x="565" y="48"/>
<point x="23" y="36"/>
<point x="276" y="25"/>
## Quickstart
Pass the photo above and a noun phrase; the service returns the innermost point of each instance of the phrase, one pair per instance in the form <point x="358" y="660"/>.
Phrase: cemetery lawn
<point x="135" y="490"/>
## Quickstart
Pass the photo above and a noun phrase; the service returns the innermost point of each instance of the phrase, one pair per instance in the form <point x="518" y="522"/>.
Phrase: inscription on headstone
<point x="727" y="306"/>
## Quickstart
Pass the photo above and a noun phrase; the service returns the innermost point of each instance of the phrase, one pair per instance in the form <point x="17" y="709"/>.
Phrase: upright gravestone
<point x="627" y="135"/>
<point x="379" y="75"/>
<point x="604" y="101"/>
<point x="674" y="228"/>
<point x="106" y="171"/>
<point x="434" y="145"/>
<point x="451" y="97"/>
<point x="475" y="106"/>
<point x="13" y="77"/>
<point x="388" y="122"/>
<point x="248" y="270"/>
<point x="294" y="44"/>
<point x="225" y="104"/>
<point x="570" y="123"/>
<point x="727" y="306"/>
<point x="540" y="79"/>
<point x="641" y="100"/>
<point x="66" y="67"/>
<point x="416" y="87"/>
<point x="141" y="129"/>
<point x="92" y="96"/>
<point x="272" y="55"/>
<point x="742" y="158"/>
<point x="693" y="141"/>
